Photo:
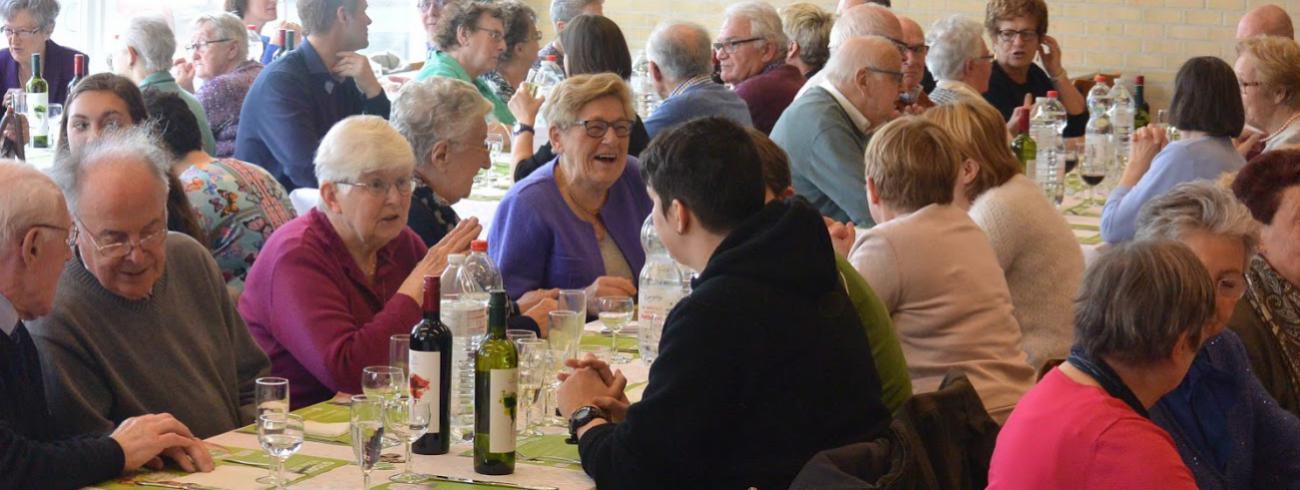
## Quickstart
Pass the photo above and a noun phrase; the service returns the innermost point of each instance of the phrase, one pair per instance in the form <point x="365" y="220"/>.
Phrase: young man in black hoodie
<point x="763" y="365"/>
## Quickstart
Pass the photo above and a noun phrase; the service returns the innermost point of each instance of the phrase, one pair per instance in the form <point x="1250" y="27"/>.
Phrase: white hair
<point x="864" y="20"/>
<point x="27" y="198"/>
<point x="43" y="11"/>
<point x="681" y="49"/>
<point x="228" y="26"/>
<point x="764" y="21"/>
<point x="857" y="53"/>
<point x="153" y="40"/>
<point x="436" y="109"/>
<point x="136" y="145"/>
<point x="1197" y="206"/>
<point x="953" y="41"/>
<point x="360" y="144"/>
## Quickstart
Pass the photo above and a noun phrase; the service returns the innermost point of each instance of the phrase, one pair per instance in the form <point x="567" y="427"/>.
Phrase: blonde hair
<point x="569" y="97"/>
<point x="913" y="162"/>
<point x="1277" y="68"/>
<point x="360" y="144"/>
<point x="809" y="27"/>
<point x="979" y="134"/>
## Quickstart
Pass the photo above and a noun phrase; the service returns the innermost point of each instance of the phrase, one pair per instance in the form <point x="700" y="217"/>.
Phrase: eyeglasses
<point x="23" y="34"/>
<point x="71" y="231"/>
<point x="1231" y="286"/>
<point x="916" y="49"/>
<point x="729" y="47"/>
<point x="597" y="129"/>
<point x="1245" y="85"/>
<point x="203" y="44"/>
<point x="380" y="188"/>
<point x="121" y="248"/>
<point x="987" y="57"/>
<point x="1009" y="35"/>
<point x="424" y="5"/>
<point x="492" y="33"/>
<point x="897" y="75"/>
<point x="903" y="48"/>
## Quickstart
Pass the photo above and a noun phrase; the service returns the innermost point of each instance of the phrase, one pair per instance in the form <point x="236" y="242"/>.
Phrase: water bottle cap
<point x="252" y="27"/>
<point x="1099" y="78"/>
<point x="1141" y="79"/>
<point x="478" y="246"/>
<point x="1052" y="94"/>
<point x="551" y="57"/>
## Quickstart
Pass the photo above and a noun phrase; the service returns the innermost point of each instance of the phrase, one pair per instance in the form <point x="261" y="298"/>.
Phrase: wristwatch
<point x="583" y="416"/>
<point x="521" y="128"/>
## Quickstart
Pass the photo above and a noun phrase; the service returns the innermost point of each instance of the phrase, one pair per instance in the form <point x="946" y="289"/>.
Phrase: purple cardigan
<point x="769" y="93"/>
<point x="538" y="242"/>
<point x="222" y="97"/>
<point x="58" y="62"/>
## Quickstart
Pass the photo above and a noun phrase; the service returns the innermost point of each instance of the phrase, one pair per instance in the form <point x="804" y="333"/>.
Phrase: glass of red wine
<point x="1093" y="171"/>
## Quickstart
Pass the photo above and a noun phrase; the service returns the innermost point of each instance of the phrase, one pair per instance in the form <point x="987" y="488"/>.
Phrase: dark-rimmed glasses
<point x="597" y="129"/>
<point x="729" y="47"/>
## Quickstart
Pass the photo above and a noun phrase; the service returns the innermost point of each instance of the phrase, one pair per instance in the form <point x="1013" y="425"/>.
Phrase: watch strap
<point x="583" y="416"/>
<point x="521" y="128"/>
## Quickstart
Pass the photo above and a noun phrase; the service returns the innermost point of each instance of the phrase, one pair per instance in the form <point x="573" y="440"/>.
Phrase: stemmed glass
<point x="615" y="313"/>
<point x="1093" y="171"/>
<point x="399" y="356"/>
<point x="534" y="359"/>
<point x="272" y="396"/>
<point x="367" y="427"/>
<point x="281" y="435"/>
<point x="515" y="335"/>
<point x="408" y="419"/>
<point x="382" y="382"/>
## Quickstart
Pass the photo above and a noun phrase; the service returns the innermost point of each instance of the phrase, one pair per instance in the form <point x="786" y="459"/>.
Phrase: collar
<point x="314" y="64"/>
<point x="855" y="115"/>
<point x="689" y="84"/>
<point x="8" y="316"/>
<point x="157" y="78"/>
<point x="959" y="87"/>
<point x="442" y="58"/>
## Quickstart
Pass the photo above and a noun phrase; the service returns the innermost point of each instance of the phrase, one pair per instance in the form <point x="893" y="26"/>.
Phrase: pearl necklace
<point x="1284" y="125"/>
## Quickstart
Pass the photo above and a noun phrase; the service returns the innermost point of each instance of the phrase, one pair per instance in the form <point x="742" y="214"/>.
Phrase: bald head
<point x="848" y="4"/>
<point x="27" y="198"/>
<point x="680" y="50"/>
<point x="866" y="72"/>
<point x="1265" y="20"/>
<point x="865" y="20"/>
<point x="913" y="62"/>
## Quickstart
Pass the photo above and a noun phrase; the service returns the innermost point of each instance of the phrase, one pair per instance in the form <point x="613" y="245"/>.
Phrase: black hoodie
<point x="763" y="365"/>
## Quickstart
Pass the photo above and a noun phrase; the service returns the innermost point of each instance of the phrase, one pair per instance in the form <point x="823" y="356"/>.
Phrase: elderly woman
<point x="809" y="29"/>
<point x="1034" y="245"/>
<point x="144" y="55"/>
<point x="959" y="59"/>
<point x="218" y="54"/>
<point x="259" y="13"/>
<point x="238" y="204"/>
<point x="935" y="270"/>
<point x="1208" y="113"/>
<point x="471" y="40"/>
<point x="1227" y="428"/>
<point x="577" y="220"/>
<point x="1018" y="29"/>
<point x="331" y="286"/>
<point x="1270" y="89"/>
<point x="1141" y="316"/>
<point x="522" y="42"/>
<point x="1270" y="317"/>
<point x="27" y="28"/>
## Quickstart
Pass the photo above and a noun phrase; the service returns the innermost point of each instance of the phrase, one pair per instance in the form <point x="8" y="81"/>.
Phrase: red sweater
<point x="1064" y="435"/>
<point x="769" y="93"/>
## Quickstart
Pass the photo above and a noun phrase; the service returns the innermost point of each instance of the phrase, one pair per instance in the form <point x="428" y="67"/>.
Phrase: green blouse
<point x="441" y="64"/>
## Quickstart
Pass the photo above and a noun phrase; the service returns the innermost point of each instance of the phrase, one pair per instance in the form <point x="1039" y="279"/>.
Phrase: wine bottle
<point x="38" y="105"/>
<point x="290" y="41"/>
<point x="280" y="52"/>
<point x="1143" y="115"/>
<point x="496" y="379"/>
<point x="430" y="364"/>
<point x="1024" y="146"/>
<point x="78" y="71"/>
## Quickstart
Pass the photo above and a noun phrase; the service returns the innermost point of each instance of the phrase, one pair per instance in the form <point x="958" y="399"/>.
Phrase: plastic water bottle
<point x="1123" y="109"/>
<point x="464" y="310"/>
<point x="1057" y="109"/>
<point x="662" y="284"/>
<point x="254" y="44"/>
<point x="1048" y="161"/>
<point x="541" y="81"/>
<point x="1099" y="146"/>
<point x="479" y="276"/>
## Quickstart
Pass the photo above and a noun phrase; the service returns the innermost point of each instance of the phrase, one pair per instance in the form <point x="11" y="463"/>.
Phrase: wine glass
<point x="515" y="335"/>
<point x="54" y="115"/>
<point x="495" y="143"/>
<point x="408" y="419"/>
<point x="399" y="356"/>
<point x="1093" y="171"/>
<point x="367" y="427"/>
<point x="615" y="313"/>
<point x="534" y="359"/>
<point x="564" y="335"/>
<point x="382" y="382"/>
<point x="281" y="435"/>
<point x="272" y="396"/>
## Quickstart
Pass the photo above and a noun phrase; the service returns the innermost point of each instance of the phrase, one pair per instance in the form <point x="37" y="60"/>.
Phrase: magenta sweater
<point x="769" y="93"/>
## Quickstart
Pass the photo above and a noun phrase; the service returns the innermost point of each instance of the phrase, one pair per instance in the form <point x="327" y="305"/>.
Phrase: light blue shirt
<point x="1181" y="161"/>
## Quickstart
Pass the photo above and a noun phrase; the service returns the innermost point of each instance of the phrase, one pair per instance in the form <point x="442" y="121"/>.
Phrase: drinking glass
<point x="281" y="435"/>
<point x="615" y="313"/>
<point x="574" y="300"/>
<point x="408" y="419"/>
<point x="367" y="427"/>
<point x="1093" y="172"/>
<point x="534" y="365"/>
<point x="54" y="114"/>
<point x="601" y="352"/>
<point x="564" y="335"/>
<point x="399" y="356"/>
<point x="649" y="330"/>
<point x="515" y="335"/>
<point x="495" y="143"/>
<point x="272" y="396"/>
<point x="382" y="382"/>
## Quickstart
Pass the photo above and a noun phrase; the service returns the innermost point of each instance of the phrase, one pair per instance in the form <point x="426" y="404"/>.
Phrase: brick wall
<point x="1148" y="37"/>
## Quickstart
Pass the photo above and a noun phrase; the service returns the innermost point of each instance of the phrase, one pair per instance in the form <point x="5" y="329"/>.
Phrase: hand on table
<point x="608" y="286"/>
<point x="145" y="439"/>
<point x="842" y="235"/>
<point x="586" y="384"/>
<point x="615" y="405"/>
<point x="538" y="304"/>
<point x="357" y="67"/>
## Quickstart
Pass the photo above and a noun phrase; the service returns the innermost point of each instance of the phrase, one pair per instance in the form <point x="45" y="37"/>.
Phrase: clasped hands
<point x="592" y="383"/>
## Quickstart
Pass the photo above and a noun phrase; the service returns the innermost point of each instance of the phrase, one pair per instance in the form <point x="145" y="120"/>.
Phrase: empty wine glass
<point x="515" y="335"/>
<point x="615" y="313"/>
<point x="382" y="382"/>
<point x="281" y="435"/>
<point x="408" y="419"/>
<point x="272" y="396"/>
<point x="534" y="365"/>
<point x="367" y="430"/>
<point x="495" y="144"/>
<point x="399" y="356"/>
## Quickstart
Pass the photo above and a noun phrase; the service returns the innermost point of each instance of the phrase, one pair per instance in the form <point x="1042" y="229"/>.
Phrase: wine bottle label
<point x="426" y="373"/>
<point x="503" y="385"/>
<point x="38" y="107"/>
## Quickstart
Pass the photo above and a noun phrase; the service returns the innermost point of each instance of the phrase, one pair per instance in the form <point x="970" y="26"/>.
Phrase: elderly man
<point x="859" y="21"/>
<point x="34" y="246"/>
<point x="751" y="55"/>
<point x="959" y="58"/>
<point x="825" y="130"/>
<point x="1265" y="20"/>
<point x="294" y="102"/>
<point x="144" y="55"/>
<point x="143" y="322"/>
<point x="681" y="67"/>
<point x="917" y="80"/>
<point x="563" y="11"/>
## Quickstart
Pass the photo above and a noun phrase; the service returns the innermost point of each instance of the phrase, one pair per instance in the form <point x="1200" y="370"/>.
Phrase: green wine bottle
<point x="1024" y="146"/>
<point x="38" y="105"/>
<point x="496" y="379"/>
<point x="1143" y="115"/>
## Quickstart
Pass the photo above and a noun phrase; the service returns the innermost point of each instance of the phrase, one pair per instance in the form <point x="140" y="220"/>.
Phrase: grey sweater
<point x="184" y="350"/>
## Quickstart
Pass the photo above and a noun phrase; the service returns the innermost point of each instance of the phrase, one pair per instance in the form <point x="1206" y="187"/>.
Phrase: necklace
<point x="1284" y="125"/>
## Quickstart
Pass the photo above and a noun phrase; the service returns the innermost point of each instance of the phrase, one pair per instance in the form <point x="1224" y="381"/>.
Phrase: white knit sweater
<point x="1042" y="260"/>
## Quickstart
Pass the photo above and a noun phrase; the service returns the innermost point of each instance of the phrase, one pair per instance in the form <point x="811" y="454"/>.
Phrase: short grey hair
<point x="1198" y="206"/>
<point x="566" y="10"/>
<point x="360" y="144"/>
<point x="27" y="198"/>
<point x="859" y="53"/>
<point x="864" y="20"/>
<point x="764" y="22"/>
<point x="436" y="109"/>
<point x="137" y="144"/>
<point x="153" y="40"/>
<point x="1138" y="298"/>
<point x="681" y="50"/>
<point x="228" y="26"/>
<point x="44" y="11"/>
<point x="953" y="41"/>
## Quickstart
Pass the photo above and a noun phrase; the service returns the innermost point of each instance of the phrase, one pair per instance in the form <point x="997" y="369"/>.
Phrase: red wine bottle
<point x="430" y="366"/>
<point x="78" y="71"/>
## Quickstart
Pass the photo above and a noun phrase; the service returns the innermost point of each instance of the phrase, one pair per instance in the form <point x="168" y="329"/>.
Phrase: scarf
<point x="1277" y="302"/>
<point x="1106" y="377"/>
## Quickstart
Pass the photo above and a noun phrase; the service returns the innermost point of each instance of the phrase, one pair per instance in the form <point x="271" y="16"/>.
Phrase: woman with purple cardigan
<point x="576" y="222"/>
